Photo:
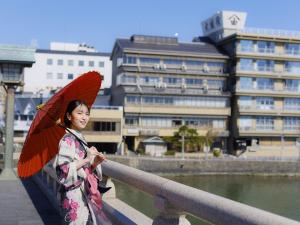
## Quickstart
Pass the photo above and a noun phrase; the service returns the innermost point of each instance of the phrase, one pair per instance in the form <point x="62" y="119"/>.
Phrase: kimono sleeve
<point x="66" y="166"/>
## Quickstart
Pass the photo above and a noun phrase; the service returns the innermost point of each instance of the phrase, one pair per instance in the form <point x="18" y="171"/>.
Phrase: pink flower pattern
<point x="71" y="206"/>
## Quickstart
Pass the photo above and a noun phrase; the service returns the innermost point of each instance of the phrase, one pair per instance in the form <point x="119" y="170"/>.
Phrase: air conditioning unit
<point x="156" y="66"/>
<point x="183" y="67"/>
<point x="119" y="62"/>
<point x="183" y="86"/>
<point x="157" y="85"/>
<point x="160" y="85"/>
<point x="205" y="69"/>
<point x="163" y="66"/>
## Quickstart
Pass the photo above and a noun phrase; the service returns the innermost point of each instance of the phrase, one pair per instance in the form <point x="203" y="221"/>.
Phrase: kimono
<point x="75" y="190"/>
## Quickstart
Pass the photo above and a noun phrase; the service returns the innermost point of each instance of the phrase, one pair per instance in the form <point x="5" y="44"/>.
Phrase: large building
<point x="164" y="84"/>
<point x="63" y="62"/>
<point x="265" y="81"/>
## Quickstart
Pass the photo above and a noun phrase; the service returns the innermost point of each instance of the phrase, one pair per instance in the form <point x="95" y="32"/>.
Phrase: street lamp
<point x="13" y="59"/>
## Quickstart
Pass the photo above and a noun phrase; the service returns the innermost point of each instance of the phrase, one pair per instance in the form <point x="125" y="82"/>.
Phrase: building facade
<point x="265" y="81"/>
<point x="63" y="62"/>
<point x="164" y="84"/>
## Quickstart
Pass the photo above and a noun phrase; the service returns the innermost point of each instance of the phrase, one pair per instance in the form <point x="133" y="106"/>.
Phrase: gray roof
<point x="168" y="44"/>
<point x="21" y="103"/>
<point x="72" y="52"/>
<point x="17" y="54"/>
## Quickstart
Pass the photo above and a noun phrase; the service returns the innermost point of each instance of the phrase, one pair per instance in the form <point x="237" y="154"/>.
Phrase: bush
<point x="216" y="152"/>
<point x="170" y="152"/>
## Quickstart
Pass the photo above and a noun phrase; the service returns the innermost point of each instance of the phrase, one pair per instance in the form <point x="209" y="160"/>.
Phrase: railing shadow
<point x="45" y="210"/>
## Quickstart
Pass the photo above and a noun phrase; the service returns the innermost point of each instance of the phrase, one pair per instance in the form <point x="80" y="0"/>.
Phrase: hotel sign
<point x="224" y="20"/>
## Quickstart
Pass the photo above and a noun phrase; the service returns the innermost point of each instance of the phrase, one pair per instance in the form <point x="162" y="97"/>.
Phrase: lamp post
<point x="13" y="59"/>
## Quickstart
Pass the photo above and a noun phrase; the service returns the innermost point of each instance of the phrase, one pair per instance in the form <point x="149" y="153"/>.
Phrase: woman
<point x="74" y="166"/>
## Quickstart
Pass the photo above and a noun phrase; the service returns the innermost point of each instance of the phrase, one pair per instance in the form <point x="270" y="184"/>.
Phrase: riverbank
<point x="178" y="166"/>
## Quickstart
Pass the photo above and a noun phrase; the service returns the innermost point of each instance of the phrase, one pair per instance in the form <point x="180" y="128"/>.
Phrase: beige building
<point x="265" y="80"/>
<point x="164" y="84"/>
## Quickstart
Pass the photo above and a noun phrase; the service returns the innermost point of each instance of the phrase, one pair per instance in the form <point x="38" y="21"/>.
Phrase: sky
<point x="99" y="23"/>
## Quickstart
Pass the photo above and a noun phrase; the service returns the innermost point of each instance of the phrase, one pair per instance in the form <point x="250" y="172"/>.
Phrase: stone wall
<point x="212" y="166"/>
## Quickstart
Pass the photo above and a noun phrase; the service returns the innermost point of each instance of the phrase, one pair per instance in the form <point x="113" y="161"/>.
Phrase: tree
<point x="192" y="140"/>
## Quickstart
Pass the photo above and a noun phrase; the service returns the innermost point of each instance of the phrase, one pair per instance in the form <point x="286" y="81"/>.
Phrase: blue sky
<point x="99" y="23"/>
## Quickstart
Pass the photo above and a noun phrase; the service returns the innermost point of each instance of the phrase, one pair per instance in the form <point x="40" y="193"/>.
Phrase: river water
<point x="278" y="195"/>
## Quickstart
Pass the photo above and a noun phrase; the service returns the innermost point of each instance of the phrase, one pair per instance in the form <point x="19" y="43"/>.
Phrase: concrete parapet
<point x="211" y="166"/>
<point x="182" y="198"/>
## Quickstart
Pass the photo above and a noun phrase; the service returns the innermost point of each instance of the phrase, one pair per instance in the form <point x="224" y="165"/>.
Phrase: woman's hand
<point x="99" y="158"/>
<point x="92" y="150"/>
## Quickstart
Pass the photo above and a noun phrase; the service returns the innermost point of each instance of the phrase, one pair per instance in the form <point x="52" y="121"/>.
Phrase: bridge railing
<point x="174" y="200"/>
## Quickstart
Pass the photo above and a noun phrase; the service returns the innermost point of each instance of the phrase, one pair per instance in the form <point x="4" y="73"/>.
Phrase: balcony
<point x="169" y="131"/>
<point x="268" y="110"/>
<point x="177" y="69"/>
<point x="177" y="90"/>
<point x="267" y="131"/>
<point x="259" y="110"/>
<point x="267" y="91"/>
<point x="176" y="110"/>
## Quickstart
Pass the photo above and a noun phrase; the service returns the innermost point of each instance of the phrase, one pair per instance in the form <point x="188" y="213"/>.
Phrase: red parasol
<point x="41" y="143"/>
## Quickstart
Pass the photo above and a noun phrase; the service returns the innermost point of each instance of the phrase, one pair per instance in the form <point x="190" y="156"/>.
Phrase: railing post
<point x="168" y="214"/>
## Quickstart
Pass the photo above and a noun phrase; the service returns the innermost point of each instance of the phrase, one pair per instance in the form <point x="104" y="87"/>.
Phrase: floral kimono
<point x="78" y="186"/>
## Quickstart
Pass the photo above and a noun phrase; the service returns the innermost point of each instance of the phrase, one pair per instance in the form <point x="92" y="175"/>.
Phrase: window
<point x="59" y="76"/>
<point x="291" y="123"/>
<point x="193" y="81"/>
<point x="49" y="76"/>
<point x="49" y="61"/>
<point x="149" y="121"/>
<point x="70" y="62"/>
<point x="131" y="120"/>
<point x="292" y="67"/>
<point x="246" y="64"/>
<point x="91" y="63"/>
<point x="173" y="61"/>
<point x="264" y="103"/>
<point x="80" y="63"/>
<point x="266" y="46"/>
<point x="126" y="60"/>
<point x="245" y="102"/>
<point x="246" y="83"/>
<point x="192" y="63"/>
<point x="128" y="79"/>
<point x="105" y="126"/>
<point x="172" y="80"/>
<point x="149" y="60"/>
<point x="292" y="49"/>
<point x="218" y="124"/>
<point x="265" y="65"/>
<point x="101" y="64"/>
<point x="292" y="104"/>
<point x="265" y="123"/>
<point x="246" y="46"/>
<point x="60" y="62"/>
<point x="245" y="123"/>
<point x="149" y="80"/>
<point x="70" y="76"/>
<point x="265" y="83"/>
<point x="132" y="99"/>
<point x="292" y="85"/>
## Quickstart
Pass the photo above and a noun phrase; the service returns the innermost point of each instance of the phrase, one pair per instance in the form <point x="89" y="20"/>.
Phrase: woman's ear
<point x="68" y="116"/>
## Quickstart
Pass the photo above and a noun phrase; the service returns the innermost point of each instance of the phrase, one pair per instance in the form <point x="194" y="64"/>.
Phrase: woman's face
<point x="79" y="117"/>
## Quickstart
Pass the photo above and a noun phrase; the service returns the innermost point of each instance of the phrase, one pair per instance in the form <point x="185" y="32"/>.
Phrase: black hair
<point x="71" y="106"/>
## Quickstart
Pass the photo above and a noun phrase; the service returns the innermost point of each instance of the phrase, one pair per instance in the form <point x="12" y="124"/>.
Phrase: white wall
<point x="35" y="78"/>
